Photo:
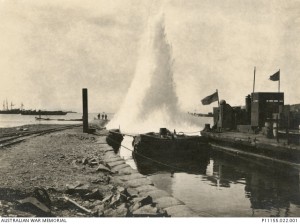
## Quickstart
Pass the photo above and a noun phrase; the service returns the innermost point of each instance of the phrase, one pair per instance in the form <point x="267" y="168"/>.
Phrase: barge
<point x="166" y="143"/>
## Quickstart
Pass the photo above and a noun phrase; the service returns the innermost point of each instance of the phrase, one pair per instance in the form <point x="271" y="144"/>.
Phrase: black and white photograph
<point x="157" y="109"/>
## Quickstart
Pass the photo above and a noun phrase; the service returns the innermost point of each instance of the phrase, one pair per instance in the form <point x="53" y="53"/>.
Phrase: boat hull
<point x="153" y="145"/>
<point x="253" y="145"/>
<point x="49" y="119"/>
<point x="32" y="112"/>
<point x="114" y="139"/>
<point x="14" y="111"/>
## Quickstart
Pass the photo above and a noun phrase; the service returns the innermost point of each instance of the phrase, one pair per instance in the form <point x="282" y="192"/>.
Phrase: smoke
<point x="151" y="102"/>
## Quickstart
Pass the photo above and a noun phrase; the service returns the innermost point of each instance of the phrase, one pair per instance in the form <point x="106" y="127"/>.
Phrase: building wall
<point x="263" y="106"/>
<point x="226" y="117"/>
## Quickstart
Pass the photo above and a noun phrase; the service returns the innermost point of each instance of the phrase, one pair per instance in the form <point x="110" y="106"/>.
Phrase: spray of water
<point x="151" y="102"/>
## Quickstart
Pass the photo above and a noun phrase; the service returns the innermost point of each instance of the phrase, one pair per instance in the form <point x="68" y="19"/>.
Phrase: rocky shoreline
<point x="72" y="174"/>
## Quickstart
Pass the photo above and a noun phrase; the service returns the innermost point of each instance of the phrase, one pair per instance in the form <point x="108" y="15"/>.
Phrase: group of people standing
<point x="102" y="116"/>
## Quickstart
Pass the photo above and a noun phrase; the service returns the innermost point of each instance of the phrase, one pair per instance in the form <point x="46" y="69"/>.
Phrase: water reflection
<point x="271" y="188"/>
<point x="225" y="185"/>
<point x="190" y="163"/>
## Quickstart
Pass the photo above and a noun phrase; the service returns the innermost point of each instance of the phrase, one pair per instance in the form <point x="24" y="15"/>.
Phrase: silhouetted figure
<point x="98" y="116"/>
<point x="102" y="116"/>
<point x="105" y="116"/>
<point x="172" y="173"/>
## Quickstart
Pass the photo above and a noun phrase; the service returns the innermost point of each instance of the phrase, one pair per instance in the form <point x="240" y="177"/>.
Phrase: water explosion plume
<point x="151" y="101"/>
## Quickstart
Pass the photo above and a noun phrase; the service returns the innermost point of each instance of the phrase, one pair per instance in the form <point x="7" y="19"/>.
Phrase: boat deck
<point x="251" y="138"/>
<point x="257" y="144"/>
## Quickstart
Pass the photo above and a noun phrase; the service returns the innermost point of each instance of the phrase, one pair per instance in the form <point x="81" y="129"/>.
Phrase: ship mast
<point x="6" y="105"/>
<point x="11" y="105"/>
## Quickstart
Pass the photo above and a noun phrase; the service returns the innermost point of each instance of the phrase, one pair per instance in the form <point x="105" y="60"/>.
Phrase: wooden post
<point x="277" y="123"/>
<point x="85" y="110"/>
<point x="218" y="98"/>
<point x="288" y="128"/>
<point x="254" y="80"/>
<point x="279" y="82"/>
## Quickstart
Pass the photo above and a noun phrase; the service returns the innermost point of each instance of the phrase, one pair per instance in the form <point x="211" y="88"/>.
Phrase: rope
<point x="123" y="134"/>
<point x="133" y="135"/>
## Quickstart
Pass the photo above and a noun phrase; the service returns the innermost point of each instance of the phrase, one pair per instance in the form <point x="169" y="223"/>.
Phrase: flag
<point x="211" y="98"/>
<point x="275" y="77"/>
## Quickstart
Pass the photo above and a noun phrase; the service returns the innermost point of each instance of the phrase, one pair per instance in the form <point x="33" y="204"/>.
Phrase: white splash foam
<point x="151" y="101"/>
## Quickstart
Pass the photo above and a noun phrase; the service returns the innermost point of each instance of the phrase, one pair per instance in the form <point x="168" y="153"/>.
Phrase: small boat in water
<point x="114" y="139"/>
<point x="167" y="143"/>
<point x="49" y="119"/>
<point x="42" y="119"/>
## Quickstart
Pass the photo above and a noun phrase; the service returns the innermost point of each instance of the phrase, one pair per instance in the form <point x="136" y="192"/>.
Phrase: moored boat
<point x="114" y="138"/>
<point x="42" y="112"/>
<point x="167" y="143"/>
<point x="6" y="109"/>
<point x="42" y="118"/>
<point x="264" y="128"/>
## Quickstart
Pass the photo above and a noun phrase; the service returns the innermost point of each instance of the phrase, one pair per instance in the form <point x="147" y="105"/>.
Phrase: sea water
<point x="14" y="120"/>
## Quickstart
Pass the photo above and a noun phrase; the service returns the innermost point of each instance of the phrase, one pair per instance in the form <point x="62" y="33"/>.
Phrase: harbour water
<point x="223" y="185"/>
<point x="14" y="120"/>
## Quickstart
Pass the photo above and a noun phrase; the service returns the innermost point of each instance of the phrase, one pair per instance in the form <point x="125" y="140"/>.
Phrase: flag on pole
<point x="211" y="98"/>
<point x="275" y="77"/>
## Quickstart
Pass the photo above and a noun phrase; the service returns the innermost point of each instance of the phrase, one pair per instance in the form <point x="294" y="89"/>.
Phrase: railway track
<point x="11" y="139"/>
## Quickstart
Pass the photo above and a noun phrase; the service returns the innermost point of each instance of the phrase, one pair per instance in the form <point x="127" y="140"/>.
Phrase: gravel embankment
<point x="72" y="174"/>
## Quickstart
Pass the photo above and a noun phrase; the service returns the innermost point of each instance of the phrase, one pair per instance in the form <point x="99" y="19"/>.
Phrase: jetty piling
<point x="85" y="110"/>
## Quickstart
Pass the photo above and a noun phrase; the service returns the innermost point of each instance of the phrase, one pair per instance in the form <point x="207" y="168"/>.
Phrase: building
<point x="263" y="107"/>
<point x="259" y="108"/>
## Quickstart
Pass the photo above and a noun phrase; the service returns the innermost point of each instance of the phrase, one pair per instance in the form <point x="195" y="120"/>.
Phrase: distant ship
<point x="13" y="111"/>
<point x="43" y="112"/>
<point x="6" y="110"/>
<point x="21" y="111"/>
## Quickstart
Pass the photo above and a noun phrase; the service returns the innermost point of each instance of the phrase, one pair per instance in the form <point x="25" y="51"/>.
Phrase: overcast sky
<point x="51" y="49"/>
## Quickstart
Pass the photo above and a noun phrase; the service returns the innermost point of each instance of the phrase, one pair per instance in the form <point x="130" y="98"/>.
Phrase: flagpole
<point x="218" y="97"/>
<point x="277" y="117"/>
<point x="254" y="79"/>
<point x="279" y="82"/>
